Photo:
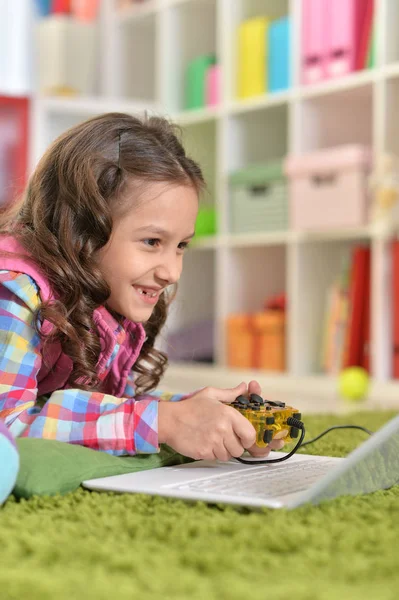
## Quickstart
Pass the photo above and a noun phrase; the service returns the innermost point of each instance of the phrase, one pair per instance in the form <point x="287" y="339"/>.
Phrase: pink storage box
<point x="328" y="188"/>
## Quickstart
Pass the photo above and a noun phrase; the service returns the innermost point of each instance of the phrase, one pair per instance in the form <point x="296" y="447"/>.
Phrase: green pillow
<point x="48" y="467"/>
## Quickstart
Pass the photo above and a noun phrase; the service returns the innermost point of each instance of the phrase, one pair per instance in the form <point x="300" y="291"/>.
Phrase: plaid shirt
<point x="118" y="426"/>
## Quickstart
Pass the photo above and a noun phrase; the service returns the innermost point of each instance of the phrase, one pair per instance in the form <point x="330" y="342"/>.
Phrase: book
<point x="365" y="34"/>
<point x="335" y="322"/>
<point x="359" y="289"/>
<point x="395" y="309"/>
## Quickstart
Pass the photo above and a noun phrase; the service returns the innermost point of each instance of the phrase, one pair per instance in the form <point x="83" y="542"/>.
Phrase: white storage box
<point x="328" y="188"/>
<point x="66" y="55"/>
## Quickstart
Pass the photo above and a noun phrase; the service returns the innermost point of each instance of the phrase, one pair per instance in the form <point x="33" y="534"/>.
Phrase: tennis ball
<point x="353" y="383"/>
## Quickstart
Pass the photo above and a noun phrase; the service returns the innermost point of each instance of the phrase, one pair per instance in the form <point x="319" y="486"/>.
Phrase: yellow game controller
<point x="272" y="420"/>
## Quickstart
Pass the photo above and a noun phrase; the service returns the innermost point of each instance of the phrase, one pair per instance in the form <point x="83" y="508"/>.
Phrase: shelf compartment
<point x="191" y="32"/>
<point x="192" y="307"/>
<point x="240" y="11"/>
<point x="138" y="11"/>
<point x="138" y="57"/>
<point x="257" y="136"/>
<point x="199" y="141"/>
<point x="254" y="274"/>
<point x="390" y="27"/>
<point x="318" y="266"/>
<point x="391" y="125"/>
<point x="345" y="117"/>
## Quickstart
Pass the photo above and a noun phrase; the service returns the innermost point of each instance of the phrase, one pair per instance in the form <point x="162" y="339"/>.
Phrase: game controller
<point x="272" y="420"/>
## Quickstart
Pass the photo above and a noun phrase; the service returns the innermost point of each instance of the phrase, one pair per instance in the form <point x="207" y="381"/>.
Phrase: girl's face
<point x="145" y="252"/>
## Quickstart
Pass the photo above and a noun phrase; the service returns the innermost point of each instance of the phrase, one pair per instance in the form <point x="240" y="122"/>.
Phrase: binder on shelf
<point x="366" y="348"/>
<point x="13" y="147"/>
<point x="366" y="35"/>
<point x="252" y="62"/>
<point x="314" y="26"/>
<point x="61" y="7"/>
<point x="343" y="33"/>
<point x="395" y="309"/>
<point x="43" y="7"/>
<point x="279" y="44"/>
<point x="358" y="291"/>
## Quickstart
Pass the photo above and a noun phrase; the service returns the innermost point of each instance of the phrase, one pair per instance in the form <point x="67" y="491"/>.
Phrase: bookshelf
<point x="223" y="272"/>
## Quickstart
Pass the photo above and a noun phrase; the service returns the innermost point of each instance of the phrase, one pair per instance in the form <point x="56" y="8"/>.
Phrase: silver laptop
<point x="374" y="465"/>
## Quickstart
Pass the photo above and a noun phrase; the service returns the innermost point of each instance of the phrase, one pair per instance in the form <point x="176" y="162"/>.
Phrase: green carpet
<point x="104" y="546"/>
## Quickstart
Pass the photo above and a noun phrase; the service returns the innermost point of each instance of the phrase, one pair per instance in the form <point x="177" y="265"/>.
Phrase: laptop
<point x="302" y="479"/>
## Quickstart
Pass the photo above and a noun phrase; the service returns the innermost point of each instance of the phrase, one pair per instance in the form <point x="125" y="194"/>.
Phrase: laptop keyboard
<point x="262" y="482"/>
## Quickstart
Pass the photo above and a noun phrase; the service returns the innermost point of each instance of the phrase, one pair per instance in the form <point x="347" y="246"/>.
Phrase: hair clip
<point x="119" y="150"/>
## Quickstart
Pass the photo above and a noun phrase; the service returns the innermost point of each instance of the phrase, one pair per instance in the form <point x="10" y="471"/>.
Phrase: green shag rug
<point x="103" y="546"/>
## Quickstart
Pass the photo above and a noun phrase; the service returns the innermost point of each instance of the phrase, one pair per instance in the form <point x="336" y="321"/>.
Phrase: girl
<point x="86" y="264"/>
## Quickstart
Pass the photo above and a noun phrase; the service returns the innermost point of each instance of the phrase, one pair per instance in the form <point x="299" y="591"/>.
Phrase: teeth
<point x="150" y="294"/>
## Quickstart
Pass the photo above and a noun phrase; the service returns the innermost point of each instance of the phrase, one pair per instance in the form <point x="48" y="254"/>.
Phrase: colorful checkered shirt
<point x="118" y="426"/>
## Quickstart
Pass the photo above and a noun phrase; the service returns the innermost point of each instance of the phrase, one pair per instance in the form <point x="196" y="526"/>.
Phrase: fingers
<point x="258" y="452"/>
<point x="243" y="429"/>
<point x="231" y="447"/>
<point x="276" y="444"/>
<point x="226" y="395"/>
<point x="254" y="388"/>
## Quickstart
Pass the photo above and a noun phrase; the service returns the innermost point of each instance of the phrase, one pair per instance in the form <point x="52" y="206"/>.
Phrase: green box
<point x="258" y="199"/>
<point x="206" y="221"/>
<point x="196" y="81"/>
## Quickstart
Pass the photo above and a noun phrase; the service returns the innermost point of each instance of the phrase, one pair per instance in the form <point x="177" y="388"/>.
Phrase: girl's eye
<point x="183" y="245"/>
<point x="153" y="242"/>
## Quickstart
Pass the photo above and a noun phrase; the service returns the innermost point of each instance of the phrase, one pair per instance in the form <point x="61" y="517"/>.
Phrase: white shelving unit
<point x="144" y="52"/>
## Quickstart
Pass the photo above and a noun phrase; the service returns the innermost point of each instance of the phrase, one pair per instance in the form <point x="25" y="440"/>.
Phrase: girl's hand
<point x="255" y="451"/>
<point x="203" y="427"/>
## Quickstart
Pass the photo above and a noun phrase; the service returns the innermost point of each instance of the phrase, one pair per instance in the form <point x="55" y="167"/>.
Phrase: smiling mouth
<point x="149" y="293"/>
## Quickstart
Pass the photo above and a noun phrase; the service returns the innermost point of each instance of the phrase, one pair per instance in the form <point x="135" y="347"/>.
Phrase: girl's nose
<point x="169" y="269"/>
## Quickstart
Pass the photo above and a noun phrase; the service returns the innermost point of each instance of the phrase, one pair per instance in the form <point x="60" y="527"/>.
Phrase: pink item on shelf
<point x="314" y="49"/>
<point x="85" y="10"/>
<point x="344" y="28"/>
<point x="213" y="77"/>
<point x="328" y="188"/>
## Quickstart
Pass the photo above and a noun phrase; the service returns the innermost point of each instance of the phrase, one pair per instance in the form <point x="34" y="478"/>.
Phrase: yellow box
<point x="252" y="63"/>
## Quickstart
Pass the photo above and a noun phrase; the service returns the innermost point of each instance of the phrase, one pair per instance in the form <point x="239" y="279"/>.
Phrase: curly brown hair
<point x="65" y="217"/>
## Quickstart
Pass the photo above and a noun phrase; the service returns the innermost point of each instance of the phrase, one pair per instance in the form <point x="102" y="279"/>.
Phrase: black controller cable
<point x="301" y="426"/>
<point x="338" y="427"/>
<point x="293" y="423"/>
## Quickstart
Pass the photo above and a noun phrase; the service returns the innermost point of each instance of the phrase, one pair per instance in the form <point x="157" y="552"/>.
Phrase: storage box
<point x="258" y="199"/>
<point x="252" y="63"/>
<point x="256" y="341"/>
<point x="328" y="188"/>
<point x="239" y="341"/>
<point x="279" y="42"/>
<point x="67" y="51"/>
<point x="206" y="221"/>
<point x="269" y="340"/>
